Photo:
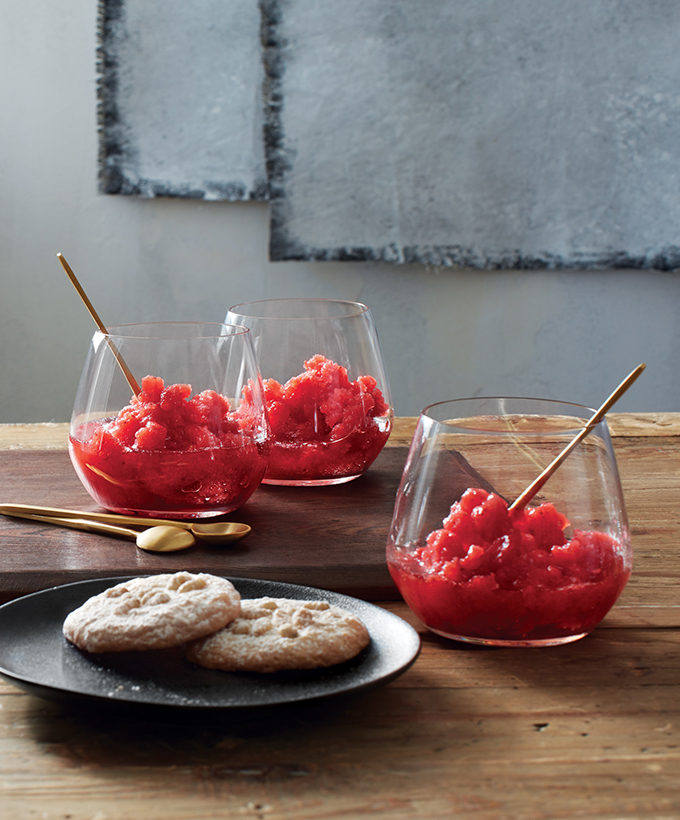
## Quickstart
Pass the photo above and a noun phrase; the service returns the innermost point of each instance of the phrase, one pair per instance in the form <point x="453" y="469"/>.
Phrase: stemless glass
<point x="325" y="385"/>
<point x="193" y="443"/>
<point x="473" y="572"/>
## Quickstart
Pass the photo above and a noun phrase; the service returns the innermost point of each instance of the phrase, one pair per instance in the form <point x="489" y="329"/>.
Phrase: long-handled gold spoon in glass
<point x="522" y="500"/>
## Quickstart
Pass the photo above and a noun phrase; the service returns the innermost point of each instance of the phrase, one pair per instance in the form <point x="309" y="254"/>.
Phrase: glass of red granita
<point x="474" y="571"/>
<point x="325" y="387"/>
<point x="169" y="420"/>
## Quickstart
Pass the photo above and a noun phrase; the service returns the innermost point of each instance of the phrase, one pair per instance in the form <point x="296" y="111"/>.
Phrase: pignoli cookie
<point x="153" y="612"/>
<point x="276" y="634"/>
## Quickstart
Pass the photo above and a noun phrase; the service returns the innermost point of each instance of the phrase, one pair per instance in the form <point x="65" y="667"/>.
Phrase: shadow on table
<point x="111" y="739"/>
<point x="607" y="657"/>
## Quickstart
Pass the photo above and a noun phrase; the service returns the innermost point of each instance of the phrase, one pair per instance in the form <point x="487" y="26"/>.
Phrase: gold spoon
<point x="212" y="532"/>
<point x="522" y="500"/>
<point x="164" y="538"/>
<point x="134" y="386"/>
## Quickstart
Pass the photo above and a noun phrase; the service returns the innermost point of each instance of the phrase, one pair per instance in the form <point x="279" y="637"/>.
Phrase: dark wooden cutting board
<point x="328" y="537"/>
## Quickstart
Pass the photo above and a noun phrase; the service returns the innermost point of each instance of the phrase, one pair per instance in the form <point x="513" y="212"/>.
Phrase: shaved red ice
<point x="323" y="424"/>
<point x="494" y="575"/>
<point x="170" y="453"/>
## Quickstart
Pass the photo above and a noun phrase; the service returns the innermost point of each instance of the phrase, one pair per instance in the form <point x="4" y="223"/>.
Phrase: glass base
<point x="309" y="482"/>
<point x="499" y="642"/>
<point x="184" y="515"/>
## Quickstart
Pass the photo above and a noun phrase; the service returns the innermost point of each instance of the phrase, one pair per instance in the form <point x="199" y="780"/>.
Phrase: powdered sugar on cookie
<point x="275" y="634"/>
<point x="153" y="612"/>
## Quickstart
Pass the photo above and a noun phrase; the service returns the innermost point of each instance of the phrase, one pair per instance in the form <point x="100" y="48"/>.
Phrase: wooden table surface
<point x="588" y="730"/>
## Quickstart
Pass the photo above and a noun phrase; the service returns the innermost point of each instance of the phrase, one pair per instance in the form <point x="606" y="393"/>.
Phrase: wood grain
<point x="46" y="436"/>
<point x="332" y="537"/>
<point x="587" y="730"/>
<point x="329" y="537"/>
<point x="54" y="435"/>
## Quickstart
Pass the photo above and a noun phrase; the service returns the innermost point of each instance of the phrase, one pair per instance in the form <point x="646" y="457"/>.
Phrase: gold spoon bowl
<point x="219" y="532"/>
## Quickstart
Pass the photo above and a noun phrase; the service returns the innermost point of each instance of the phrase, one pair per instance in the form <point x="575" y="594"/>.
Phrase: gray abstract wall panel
<point x="485" y="133"/>
<point x="181" y="99"/>
<point x="501" y="134"/>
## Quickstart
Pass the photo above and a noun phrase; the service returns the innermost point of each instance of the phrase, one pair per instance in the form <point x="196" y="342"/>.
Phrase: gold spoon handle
<point x="107" y="518"/>
<point x="165" y="538"/>
<point x="81" y="524"/>
<point x="521" y="501"/>
<point x="134" y="386"/>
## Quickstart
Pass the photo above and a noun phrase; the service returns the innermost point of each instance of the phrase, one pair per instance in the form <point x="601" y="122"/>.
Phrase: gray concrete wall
<point x="445" y="333"/>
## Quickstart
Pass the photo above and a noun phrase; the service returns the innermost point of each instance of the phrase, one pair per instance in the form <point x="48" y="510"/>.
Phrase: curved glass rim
<point x="126" y="331"/>
<point x="359" y="308"/>
<point x="585" y="412"/>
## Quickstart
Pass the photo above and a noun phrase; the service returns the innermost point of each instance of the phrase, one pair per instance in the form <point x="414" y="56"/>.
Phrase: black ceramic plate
<point x="35" y="656"/>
